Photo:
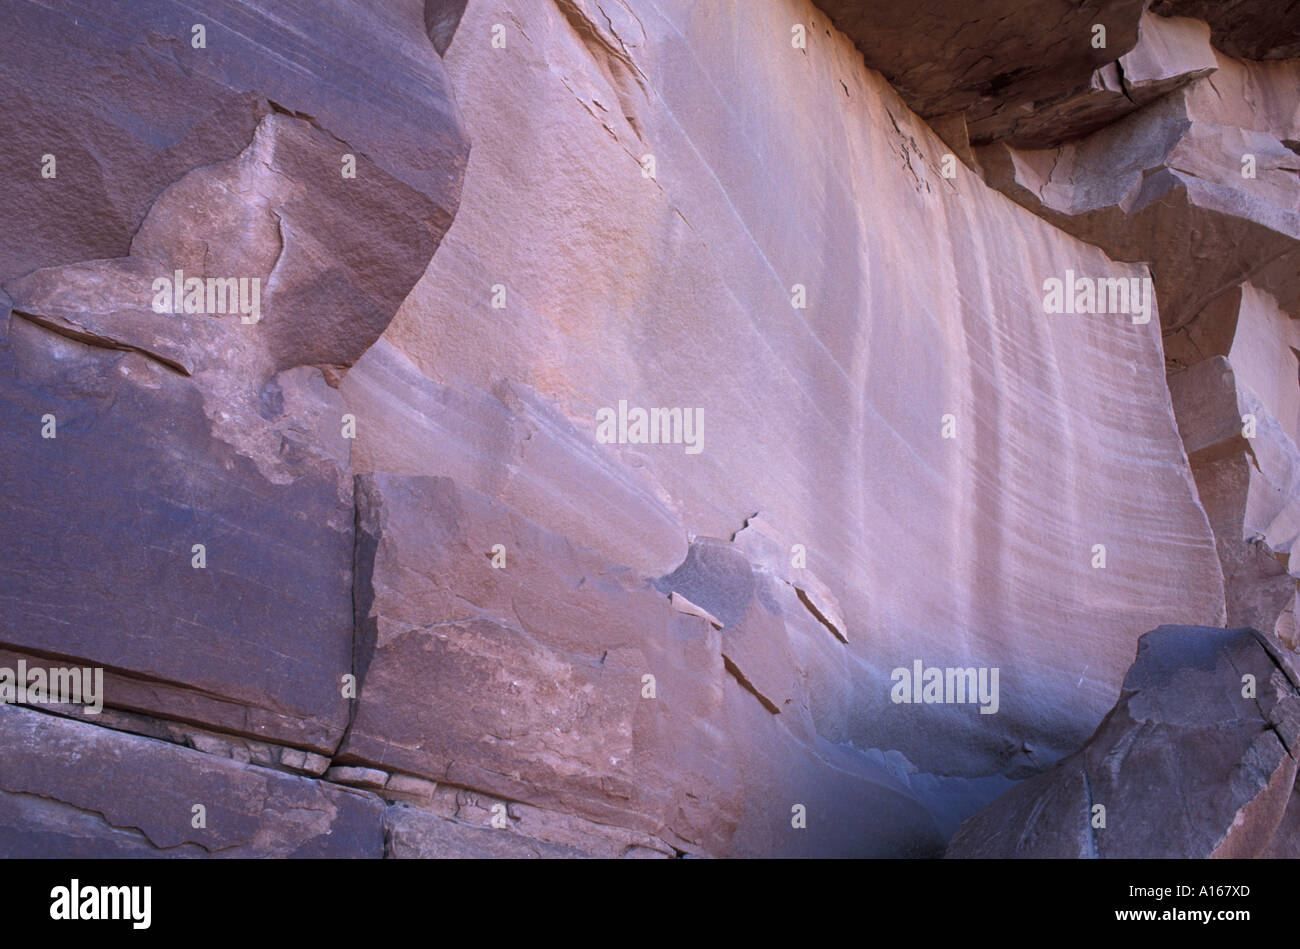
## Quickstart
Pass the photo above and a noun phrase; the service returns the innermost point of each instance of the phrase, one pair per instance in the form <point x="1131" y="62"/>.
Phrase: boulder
<point x="1207" y="718"/>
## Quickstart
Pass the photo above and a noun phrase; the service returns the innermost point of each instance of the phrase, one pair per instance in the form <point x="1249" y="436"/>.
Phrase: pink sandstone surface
<point x="387" y="557"/>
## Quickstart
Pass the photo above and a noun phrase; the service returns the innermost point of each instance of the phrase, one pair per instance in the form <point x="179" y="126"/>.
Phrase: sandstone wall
<point x="439" y="613"/>
<point x="924" y="298"/>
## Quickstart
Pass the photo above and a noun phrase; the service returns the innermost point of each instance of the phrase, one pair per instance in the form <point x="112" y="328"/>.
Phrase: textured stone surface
<point x="117" y="92"/>
<point x="1186" y="764"/>
<point x="220" y="744"/>
<point x="898" y="457"/>
<point x="528" y="682"/>
<point x="72" y="789"/>
<point x="211" y="428"/>
<point x="1249" y="29"/>
<point x="1031" y="76"/>
<point x="569" y="831"/>
<point x="98" y="565"/>
<point x="1166" y="185"/>
<point x="1285" y="844"/>
<point x="827" y="421"/>
<point x="416" y="835"/>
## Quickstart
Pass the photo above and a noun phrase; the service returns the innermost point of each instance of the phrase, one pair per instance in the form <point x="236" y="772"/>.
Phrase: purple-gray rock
<point x="1195" y="760"/>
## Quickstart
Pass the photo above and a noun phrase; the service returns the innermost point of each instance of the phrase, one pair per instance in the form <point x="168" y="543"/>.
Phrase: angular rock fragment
<point x="441" y="17"/>
<point x="716" y="576"/>
<point x="357" y="777"/>
<point x="1202" y="184"/>
<point x="1195" y="760"/>
<point x="1247" y="29"/>
<point x="683" y="605"/>
<point x="1238" y="410"/>
<point x="1030" y="76"/>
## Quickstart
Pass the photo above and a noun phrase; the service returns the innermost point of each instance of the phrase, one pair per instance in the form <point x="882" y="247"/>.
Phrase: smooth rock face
<point x="1189" y="728"/>
<point x="973" y="551"/>
<point x="1204" y="184"/>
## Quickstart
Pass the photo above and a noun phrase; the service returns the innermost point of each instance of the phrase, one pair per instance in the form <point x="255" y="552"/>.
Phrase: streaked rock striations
<point x="676" y="291"/>
<point x="1205" y="184"/>
<point x="358" y="515"/>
